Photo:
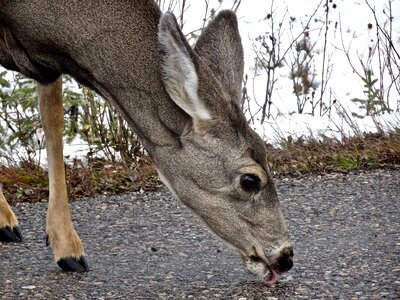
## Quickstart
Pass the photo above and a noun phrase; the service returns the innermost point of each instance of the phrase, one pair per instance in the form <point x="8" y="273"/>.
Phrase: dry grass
<point x="28" y="182"/>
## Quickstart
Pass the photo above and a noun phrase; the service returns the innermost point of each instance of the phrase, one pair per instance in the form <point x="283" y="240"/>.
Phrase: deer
<point x="182" y="102"/>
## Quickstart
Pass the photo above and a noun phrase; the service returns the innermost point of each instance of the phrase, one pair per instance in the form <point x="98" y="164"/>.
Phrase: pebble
<point x="29" y="287"/>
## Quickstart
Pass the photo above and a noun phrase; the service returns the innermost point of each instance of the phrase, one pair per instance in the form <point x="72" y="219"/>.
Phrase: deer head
<point x="183" y="103"/>
<point x="220" y="170"/>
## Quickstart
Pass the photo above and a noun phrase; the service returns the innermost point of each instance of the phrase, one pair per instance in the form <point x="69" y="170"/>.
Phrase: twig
<point x="324" y="56"/>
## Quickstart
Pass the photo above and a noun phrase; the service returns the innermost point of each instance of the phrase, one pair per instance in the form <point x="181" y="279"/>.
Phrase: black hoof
<point x="71" y="264"/>
<point x="8" y="234"/>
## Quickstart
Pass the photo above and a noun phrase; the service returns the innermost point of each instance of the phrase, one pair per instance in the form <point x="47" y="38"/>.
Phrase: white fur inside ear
<point x="180" y="77"/>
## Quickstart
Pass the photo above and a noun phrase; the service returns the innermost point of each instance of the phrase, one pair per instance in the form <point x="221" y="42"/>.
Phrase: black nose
<point x="285" y="261"/>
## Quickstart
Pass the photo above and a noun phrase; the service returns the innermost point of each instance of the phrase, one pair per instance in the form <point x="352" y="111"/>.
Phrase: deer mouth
<point x="271" y="277"/>
<point x="261" y="268"/>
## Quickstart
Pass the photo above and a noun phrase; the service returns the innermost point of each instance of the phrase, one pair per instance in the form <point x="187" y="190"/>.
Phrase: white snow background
<point x="351" y="19"/>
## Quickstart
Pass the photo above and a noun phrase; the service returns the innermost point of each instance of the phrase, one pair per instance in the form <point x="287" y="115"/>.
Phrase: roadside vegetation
<point x="27" y="181"/>
<point x="326" y="155"/>
<point x="114" y="161"/>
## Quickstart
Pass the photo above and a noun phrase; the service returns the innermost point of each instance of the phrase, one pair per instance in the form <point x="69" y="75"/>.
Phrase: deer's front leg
<point x="9" y="230"/>
<point x="65" y="242"/>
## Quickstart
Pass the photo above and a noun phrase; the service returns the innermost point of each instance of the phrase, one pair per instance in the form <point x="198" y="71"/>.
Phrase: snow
<point x="351" y="19"/>
<point x="348" y="30"/>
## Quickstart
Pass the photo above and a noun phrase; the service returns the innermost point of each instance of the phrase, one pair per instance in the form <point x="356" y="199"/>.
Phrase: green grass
<point x="346" y="162"/>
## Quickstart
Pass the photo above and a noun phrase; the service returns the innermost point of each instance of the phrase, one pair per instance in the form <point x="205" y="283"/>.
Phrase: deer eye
<point x="250" y="182"/>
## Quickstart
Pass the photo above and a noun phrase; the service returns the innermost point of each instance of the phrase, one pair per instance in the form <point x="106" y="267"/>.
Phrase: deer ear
<point x="178" y="69"/>
<point x="220" y="47"/>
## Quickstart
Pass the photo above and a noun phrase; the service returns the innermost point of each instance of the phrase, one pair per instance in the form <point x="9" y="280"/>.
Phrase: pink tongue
<point x="273" y="278"/>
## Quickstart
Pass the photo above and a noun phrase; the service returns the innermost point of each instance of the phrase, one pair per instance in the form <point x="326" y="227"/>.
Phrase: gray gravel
<point x="346" y="230"/>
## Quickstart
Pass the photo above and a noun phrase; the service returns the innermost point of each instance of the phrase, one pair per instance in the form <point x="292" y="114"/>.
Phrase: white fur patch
<point x="180" y="78"/>
<point x="166" y="182"/>
<point x="256" y="268"/>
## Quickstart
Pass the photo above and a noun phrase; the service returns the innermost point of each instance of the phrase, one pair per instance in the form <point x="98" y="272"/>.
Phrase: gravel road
<point x="346" y="231"/>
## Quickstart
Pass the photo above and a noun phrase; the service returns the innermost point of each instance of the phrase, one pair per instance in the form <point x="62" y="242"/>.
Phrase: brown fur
<point x="61" y="233"/>
<point x="7" y="217"/>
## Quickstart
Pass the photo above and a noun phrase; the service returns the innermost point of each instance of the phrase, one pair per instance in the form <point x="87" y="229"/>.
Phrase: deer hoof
<point x="71" y="264"/>
<point x="8" y="234"/>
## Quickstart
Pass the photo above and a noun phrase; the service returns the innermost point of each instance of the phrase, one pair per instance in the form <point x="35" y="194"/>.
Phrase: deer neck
<point x="113" y="50"/>
<point x="156" y="120"/>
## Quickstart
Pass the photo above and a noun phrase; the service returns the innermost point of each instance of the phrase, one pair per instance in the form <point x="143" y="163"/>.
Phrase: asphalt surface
<point x="346" y="231"/>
